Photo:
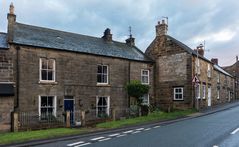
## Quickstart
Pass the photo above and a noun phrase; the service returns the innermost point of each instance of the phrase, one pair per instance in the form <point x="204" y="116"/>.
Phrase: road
<point x="220" y="129"/>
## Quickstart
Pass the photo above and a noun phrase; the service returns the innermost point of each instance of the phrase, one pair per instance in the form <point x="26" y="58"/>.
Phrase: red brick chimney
<point x="161" y="28"/>
<point x="107" y="35"/>
<point x="214" y="61"/>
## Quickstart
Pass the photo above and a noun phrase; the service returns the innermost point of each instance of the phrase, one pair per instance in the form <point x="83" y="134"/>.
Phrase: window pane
<point x="43" y="101"/>
<point x="99" y="78"/>
<point x="50" y="64"/>
<point x="104" y="101"/>
<point x="99" y="69"/>
<point x="50" y="101"/>
<point x="44" y="63"/>
<point x="43" y="75"/>
<point x="50" y="75"/>
<point x="105" y="69"/>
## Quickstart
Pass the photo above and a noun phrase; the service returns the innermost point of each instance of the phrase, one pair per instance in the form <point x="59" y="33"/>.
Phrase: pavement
<point x="131" y="129"/>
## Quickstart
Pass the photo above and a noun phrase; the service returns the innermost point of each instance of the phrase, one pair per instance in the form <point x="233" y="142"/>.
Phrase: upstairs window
<point x="144" y="76"/>
<point x="204" y="91"/>
<point x="47" y="70"/>
<point x="197" y="91"/>
<point x="209" y="71"/>
<point x="218" y="78"/>
<point x="197" y="66"/>
<point x="102" y="74"/>
<point x="178" y="93"/>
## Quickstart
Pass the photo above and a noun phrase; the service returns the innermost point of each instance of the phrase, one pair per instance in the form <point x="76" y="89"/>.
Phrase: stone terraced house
<point x="50" y="71"/>
<point x="184" y="78"/>
<point x="56" y="71"/>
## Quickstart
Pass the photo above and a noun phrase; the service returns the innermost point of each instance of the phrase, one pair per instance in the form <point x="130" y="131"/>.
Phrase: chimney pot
<point x="236" y="58"/>
<point x="107" y="35"/>
<point x="130" y="41"/>
<point x="214" y="61"/>
<point x="161" y="28"/>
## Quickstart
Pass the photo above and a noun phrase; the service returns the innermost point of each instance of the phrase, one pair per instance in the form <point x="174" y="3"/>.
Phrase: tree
<point x="137" y="90"/>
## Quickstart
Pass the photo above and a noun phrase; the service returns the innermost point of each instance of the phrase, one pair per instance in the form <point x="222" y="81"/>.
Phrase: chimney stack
<point x="11" y="21"/>
<point x="161" y="28"/>
<point x="214" y="61"/>
<point x="130" y="41"/>
<point x="107" y="35"/>
<point x="236" y="58"/>
<point x="200" y="50"/>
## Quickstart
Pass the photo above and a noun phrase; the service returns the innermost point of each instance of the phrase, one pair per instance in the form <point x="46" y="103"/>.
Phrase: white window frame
<point x="218" y="94"/>
<point x="107" y="74"/>
<point x="209" y="71"/>
<point x="143" y="102"/>
<point x="203" y="91"/>
<point x="143" y="75"/>
<point x="54" y="104"/>
<point x="108" y="104"/>
<point x="53" y="74"/>
<point x="175" y="93"/>
<point x="218" y="78"/>
<point x="197" y="66"/>
<point x="198" y="91"/>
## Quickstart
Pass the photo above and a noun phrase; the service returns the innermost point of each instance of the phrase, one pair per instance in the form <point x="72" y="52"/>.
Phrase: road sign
<point x="195" y="79"/>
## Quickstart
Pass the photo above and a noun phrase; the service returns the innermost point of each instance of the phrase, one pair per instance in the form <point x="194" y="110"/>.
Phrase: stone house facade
<point x="234" y="71"/>
<point x="184" y="78"/>
<point x="54" y="71"/>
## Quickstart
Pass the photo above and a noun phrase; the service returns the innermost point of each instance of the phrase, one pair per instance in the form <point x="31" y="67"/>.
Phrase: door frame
<point x="73" y="99"/>
<point x="209" y="99"/>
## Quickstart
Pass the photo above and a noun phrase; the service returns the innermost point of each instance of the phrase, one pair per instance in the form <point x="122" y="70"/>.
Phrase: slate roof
<point x="186" y="48"/>
<point x="59" y="40"/>
<point x="218" y="68"/>
<point x="3" y="41"/>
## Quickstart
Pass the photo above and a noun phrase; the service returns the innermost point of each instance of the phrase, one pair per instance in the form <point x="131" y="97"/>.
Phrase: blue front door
<point x="69" y="106"/>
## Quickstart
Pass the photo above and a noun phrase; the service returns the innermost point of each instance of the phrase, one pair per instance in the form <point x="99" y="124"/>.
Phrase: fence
<point x="90" y="117"/>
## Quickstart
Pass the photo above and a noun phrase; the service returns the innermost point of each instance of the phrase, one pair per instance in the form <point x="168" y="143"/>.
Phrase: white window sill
<point x="47" y="82"/>
<point x="103" y="84"/>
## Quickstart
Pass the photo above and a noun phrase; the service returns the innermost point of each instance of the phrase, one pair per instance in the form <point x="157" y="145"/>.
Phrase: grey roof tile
<point x="3" y="41"/>
<point x="54" y="39"/>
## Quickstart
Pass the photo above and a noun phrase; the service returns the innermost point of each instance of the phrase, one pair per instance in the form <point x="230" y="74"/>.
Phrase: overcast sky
<point x="190" y="21"/>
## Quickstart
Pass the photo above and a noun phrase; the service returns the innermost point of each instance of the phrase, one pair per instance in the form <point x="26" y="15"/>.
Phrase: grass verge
<point x="155" y="116"/>
<point x="16" y="137"/>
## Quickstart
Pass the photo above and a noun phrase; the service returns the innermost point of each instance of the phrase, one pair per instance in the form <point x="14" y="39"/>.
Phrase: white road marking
<point x="76" y="143"/>
<point x="121" y="135"/>
<point x="136" y="132"/>
<point x="83" y="144"/>
<point x="156" y="127"/>
<point x="93" y="139"/>
<point x="128" y="131"/>
<point x="235" y="131"/>
<point x="112" y="135"/>
<point x="215" y="146"/>
<point x="147" y="129"/>
<point x="105" y="139"/>
<point x="139" y="129"/>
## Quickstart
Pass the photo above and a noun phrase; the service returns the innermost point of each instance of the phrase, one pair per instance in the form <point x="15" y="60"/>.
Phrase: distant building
<point x="234" y="70"/>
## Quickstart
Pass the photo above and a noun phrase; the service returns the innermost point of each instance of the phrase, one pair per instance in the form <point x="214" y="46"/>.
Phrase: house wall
<point x="76" y="75"/>
<point x="6" y="76"/>
<point x="204" y="80"/>
<point x="173" y="69"/>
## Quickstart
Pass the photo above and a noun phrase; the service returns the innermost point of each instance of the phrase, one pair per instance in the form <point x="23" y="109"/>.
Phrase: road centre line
<point x="156" y="127"/>
<point x="235" y="131"/>
<point x="76" y="143"/>
<point x="139" y="129"/>
<point x="104" y="139"/>
<point x="136" y="132"/>
<point x="83" y="144"/>
<point x="147" y="129"/>
<point x="128" y="131"/>
<point x="112" y="135"/>
<point x="121" y="135"/>
<point x="93" y="139"/>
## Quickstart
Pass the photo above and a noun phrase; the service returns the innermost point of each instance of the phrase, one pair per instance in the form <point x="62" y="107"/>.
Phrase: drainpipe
<point x="129" y="68"/>
<point x="17" y="79"/>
